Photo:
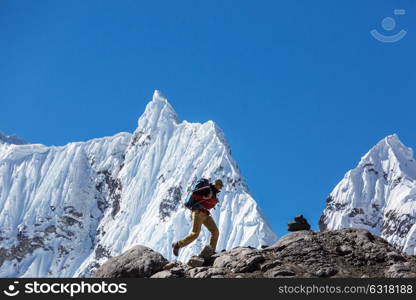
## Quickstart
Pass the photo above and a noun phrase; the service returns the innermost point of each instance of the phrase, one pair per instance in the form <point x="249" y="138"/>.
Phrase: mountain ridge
<point x="344" y="253"/>
<point x="66" y="209"/>
<point x="379" y="194"/>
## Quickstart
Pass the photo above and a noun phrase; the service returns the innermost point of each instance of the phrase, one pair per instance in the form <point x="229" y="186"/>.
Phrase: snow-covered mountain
<point x="378" y="195"/>
<point x="65" y="210"/>
<point x="11" y="139"/>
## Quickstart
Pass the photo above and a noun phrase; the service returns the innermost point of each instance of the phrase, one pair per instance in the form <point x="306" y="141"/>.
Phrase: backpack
<point x="200" y="184"/>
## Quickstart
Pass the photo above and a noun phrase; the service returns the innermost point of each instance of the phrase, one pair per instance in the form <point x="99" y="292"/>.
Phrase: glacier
<point x="64" y="210"/>
<point x="378" y="195"/>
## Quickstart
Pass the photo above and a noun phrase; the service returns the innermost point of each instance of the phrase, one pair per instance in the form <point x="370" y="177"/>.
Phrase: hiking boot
<point x="175" y="248"/>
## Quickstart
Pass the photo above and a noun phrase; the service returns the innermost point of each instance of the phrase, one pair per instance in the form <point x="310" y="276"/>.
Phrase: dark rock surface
<point x="349" y="252"/>
<point x="139" y="261"/>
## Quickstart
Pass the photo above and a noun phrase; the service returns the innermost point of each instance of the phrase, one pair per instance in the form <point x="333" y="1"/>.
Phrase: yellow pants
<point x="199" y="218"/>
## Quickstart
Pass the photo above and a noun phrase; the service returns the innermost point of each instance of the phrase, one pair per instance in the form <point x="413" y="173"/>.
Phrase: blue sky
<point x="300" y="88"/>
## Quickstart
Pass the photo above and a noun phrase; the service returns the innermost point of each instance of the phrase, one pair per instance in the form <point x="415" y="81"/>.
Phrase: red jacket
<point x="205" y="203"/>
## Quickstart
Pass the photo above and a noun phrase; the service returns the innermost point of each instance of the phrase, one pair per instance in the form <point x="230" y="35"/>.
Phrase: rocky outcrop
<point x="139" y="261"/>
<point x="349" y="252"/>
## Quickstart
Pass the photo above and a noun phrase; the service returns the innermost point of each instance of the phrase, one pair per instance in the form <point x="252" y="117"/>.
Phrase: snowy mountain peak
<point x="159" y="96"/>
<point x="390" y="145"/>
<point x="66" y="210"/>
<point x="11" y="139"/>
<point x="378" y="195"/>
<point x="158" y="114"/>
<point x="390" y="155"/>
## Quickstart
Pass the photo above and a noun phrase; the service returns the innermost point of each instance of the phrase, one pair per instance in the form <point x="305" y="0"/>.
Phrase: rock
<point x="300" y="219"/>
<point x="358" y="263"/>
<point x="400" y="270"/>
<point x="139" y="262"/>
<point x="216" y="271"/>
<point x="300" y="224"/>
<point x="195" y="271"/>
<point x="196" y="261"/>
<point x="178" y="271"/>
<point x="395" y="256"/>
<point x="326" y="272"/>
<point x="206" y="252"/>
<point x="233" y="257"/>
<point x="380" y="257"/>
<point x="343" y="250"/>
<point x="163" y="274"/>
<point x="282" y="273"/>
<point x="363" y="236"/>
<point x="170" y="265"/>
<point x="250" y="265"/>
<point x="289" y="239"/>
<point x="270" y="265"/>
<point x="203" y="274"/>
<point x="294" y="226"/>
<point x="348" y="252"/>
<point x="174" y="264"/>
<point x="211" y="273"/>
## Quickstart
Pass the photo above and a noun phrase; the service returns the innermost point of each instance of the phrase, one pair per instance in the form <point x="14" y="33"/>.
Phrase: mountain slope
<point x="378" y="195"/>
<point x="65" y="210"/>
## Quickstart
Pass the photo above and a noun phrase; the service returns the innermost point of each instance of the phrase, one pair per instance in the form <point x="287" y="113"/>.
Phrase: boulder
<point x="290" y="238"/>
<point x="400" y="270"/>
<point x="193" y="272"/>
<point x="177" y="268"/>
<point x="206" y="252"/>
<point x="164" y="274"/>
<point x="236" y="258"/>
<point x="139" y="262"/>
<point x="251" y="264"/>
<point x="196" y="261"/>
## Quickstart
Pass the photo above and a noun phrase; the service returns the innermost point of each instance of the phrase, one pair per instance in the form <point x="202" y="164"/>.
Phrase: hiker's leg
<point x="212" y="227"/>
<point x="197" y="218"/>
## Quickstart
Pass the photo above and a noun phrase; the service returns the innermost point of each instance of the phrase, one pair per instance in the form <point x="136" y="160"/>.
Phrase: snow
<point x="71" y="207"/>
<point x="378" y="195"/>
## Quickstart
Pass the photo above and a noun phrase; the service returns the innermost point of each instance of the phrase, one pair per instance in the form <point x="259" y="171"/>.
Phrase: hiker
<point x="203" y="198"/>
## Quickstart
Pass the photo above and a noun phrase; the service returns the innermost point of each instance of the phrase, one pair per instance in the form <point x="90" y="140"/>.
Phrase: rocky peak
<point x="11" y="139"/>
